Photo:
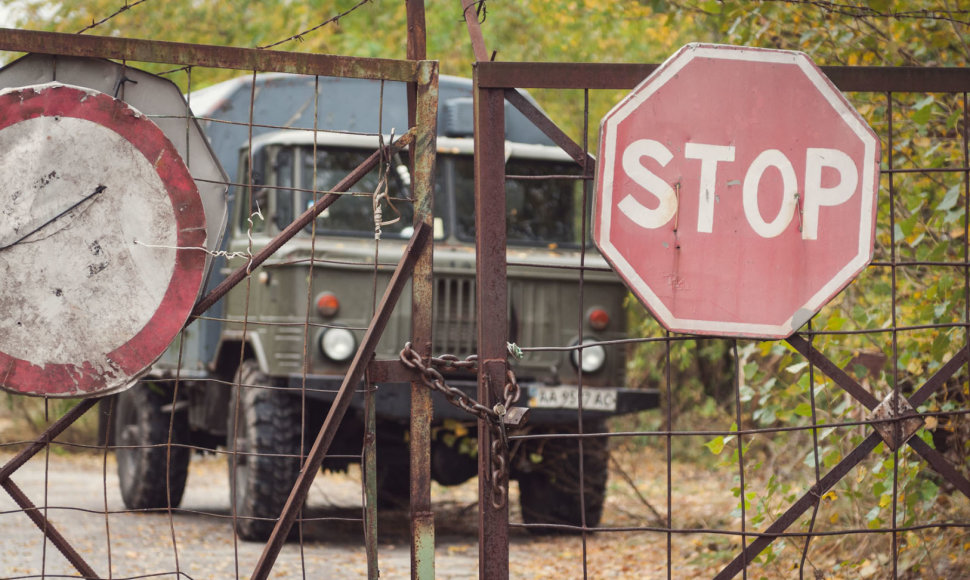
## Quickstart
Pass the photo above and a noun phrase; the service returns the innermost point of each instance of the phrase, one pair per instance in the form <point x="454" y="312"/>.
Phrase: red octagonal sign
<point x="736" y="191"/>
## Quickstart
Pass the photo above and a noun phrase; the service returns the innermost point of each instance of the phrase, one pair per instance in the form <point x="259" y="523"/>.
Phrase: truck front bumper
<point x="548" y="404"/>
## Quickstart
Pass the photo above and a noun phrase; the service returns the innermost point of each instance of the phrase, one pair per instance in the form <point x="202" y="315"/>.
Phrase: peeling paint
<point x="77" y="291"/>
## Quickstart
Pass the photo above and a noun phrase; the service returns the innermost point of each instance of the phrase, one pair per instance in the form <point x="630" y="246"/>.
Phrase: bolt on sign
<point x="103" y="233"/>
<point x="736" y="191"/>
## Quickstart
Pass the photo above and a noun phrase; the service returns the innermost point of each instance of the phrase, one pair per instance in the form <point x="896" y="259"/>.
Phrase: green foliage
<point x="456" y="435"/>
<point x="24" y="418"/>
<point x="922" y="217"/>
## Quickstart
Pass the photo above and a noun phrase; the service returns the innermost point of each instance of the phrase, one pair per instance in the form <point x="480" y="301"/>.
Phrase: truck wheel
<point x="151" y="473"/>
<point x="549" y="491"/>
<point x="265" y="447"/>
<point x="393" y="475"/>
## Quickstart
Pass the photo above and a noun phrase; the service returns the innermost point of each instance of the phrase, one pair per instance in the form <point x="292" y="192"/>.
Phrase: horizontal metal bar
<point x="899" y="79"/>
<point x="180" y="53"/>
<point x="390" y="371"/>
<point x="736" y="533"/>
<point x="561" y="75"/>
<point x="625" y="76"/>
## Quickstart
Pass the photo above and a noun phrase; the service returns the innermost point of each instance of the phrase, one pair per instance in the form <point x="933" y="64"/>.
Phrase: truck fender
<point x="227" y="359"/>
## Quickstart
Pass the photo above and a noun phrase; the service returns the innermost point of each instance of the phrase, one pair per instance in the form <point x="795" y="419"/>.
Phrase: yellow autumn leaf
<point x="915" y="366"/>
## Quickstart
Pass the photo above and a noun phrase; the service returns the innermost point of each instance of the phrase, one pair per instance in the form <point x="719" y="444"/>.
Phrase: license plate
<point x="568" y="398"/>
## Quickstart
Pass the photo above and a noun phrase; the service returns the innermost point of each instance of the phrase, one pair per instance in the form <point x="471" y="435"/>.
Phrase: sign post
<point x="736" y="191"/>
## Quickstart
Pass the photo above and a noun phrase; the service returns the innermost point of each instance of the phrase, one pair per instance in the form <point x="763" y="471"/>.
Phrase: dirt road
<point x="197" y="541"/>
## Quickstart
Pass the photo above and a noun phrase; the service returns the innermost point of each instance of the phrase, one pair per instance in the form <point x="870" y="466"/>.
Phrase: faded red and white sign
<point x="101" y="237"/>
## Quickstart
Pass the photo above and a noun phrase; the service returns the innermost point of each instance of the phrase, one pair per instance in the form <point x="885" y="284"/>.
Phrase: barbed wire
<point x="865" y="11"/>
<point x="481" y="10"/>
<point x="127" y="6"/>
<point x="299" y="36"/>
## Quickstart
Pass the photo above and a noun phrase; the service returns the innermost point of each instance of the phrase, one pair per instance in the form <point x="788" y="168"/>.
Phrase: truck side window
<point x="283" y="168"/>
<point x="544" y="211"/>
<point x="250" y="196"/>
<point x="539" y="210"/>
<point x="464" y="187"/>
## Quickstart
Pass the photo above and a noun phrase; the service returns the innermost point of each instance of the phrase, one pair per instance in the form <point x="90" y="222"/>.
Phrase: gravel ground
<point x="197" y="542"/>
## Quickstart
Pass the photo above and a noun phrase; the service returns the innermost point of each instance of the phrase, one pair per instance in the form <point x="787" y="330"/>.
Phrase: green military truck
<point x="272" y="332"/>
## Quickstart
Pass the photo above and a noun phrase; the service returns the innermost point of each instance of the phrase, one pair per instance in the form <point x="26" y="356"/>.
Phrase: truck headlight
<point x="591" y="358"/>
<point x="338" y="344"/>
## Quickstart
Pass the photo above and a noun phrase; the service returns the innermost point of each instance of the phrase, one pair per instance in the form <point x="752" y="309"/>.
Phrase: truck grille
<point x="454" y="317"/>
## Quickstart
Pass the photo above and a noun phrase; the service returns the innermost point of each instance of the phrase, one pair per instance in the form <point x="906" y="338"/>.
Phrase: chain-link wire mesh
<point x="646" y="454"/>
<point x="186" y="472"/>
<point x="767" y="458"/>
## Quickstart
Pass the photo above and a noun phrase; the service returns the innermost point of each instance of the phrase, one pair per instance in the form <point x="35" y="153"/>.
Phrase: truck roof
<point x="452" y="145"/>
<point x="365" y="106"/>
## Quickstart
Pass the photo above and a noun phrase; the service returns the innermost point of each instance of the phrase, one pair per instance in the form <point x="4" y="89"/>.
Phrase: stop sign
<point x="736" y="191"/>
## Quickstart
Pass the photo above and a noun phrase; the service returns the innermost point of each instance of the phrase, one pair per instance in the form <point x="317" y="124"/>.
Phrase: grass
<point x="23" y="418"/>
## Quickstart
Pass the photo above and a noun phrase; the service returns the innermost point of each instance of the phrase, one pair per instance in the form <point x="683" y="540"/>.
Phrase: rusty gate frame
<point x="498" y="81"/>
<point x="415" y="265"/>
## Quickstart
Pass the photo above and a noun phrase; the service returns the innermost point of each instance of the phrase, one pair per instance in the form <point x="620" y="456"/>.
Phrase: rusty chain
<point x="494" y="417"/>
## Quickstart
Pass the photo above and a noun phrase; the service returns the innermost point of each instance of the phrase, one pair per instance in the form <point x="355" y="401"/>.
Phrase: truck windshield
<point x="543" y="205"/>
<point x="543" y="208"/>
<point x="354" y="214"/>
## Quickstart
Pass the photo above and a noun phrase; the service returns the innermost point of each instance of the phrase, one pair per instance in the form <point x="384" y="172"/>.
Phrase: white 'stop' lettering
<point x="813" y="195"/>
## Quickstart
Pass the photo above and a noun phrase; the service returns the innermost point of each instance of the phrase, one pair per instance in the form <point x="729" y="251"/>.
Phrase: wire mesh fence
<point x="781" y="458"/>
<point x="216" y="433"/>
<point x="646" y="454"/>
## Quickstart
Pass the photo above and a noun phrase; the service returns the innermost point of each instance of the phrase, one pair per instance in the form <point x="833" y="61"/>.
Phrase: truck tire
<point x="549" y="490"/>
<point x="151" y="473"/>
<point x="265" y="447"/>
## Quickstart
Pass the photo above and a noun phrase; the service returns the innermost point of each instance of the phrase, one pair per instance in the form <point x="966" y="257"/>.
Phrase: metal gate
<point x="886" y="420"/>
<point x="881" y="421"/>
<point x="414" y="268"/>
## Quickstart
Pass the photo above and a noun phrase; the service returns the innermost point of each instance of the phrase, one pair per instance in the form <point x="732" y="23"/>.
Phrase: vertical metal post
<point x="423" y="115"/>
<point x="492" y="313"/>
<point x="370" y="482"/>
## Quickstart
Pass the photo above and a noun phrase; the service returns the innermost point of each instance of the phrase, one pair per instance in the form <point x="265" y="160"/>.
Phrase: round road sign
<point x="101" y="227"/>
<point x="736" y="191"/>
